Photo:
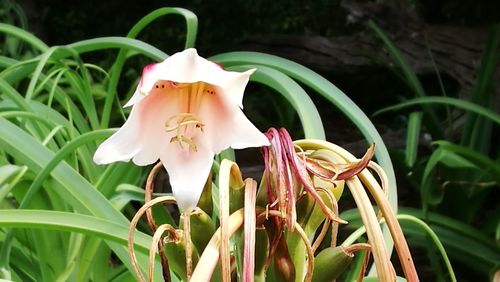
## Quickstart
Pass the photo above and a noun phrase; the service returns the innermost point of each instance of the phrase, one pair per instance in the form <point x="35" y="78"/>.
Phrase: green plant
<point x="458" y="177"/>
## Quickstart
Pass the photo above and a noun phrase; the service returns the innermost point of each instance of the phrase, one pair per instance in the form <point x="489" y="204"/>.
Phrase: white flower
<point x="184" y="110"/>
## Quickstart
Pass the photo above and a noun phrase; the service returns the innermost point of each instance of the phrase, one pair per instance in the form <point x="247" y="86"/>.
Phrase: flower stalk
<point x="249" y="230"/>
<point x="187" y="243"/>
<point x="224" y="182"/>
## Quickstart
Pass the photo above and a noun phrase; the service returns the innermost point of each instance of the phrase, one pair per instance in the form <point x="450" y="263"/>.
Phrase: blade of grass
<point x="58" y="158"/>
<point x="461" y="241"/>
<point x="20" y="71"/>
<point x="353" y="215"/>
<point x="119" y="173"/>
<point x="81" y="85"/>
<point x="435" y="239"/>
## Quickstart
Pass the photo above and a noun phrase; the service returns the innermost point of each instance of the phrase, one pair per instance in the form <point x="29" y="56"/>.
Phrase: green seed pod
<point x="202" y="229"/>
<point x="176" y="255"/>
<point x="331" y="263"/>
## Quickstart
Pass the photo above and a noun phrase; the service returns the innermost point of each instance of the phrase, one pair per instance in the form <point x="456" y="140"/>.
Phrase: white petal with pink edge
<point x="188" y="67"/>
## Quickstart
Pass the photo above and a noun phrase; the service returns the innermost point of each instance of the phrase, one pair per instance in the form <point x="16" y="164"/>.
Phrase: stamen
<point x="185" y="125"/>
<point x="181" y="139"/>
<point x="183" y="122"/>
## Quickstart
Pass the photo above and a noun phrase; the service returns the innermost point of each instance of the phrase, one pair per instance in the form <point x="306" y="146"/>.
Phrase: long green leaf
<point x="412" y="138"/>
<point x="291" y="90"/>
<point x="473" y="156"/>
<point x="411" y="79"/>
<point x="446" y="101"/>
<point x="24" y="35"/>
<point x="189" y="17"/>
<point x="191" y="31"/>
<point x="103" y="43"/>
<point x="18" y="72"/>
<point x="71" y="185"/>
<point x="26" y="150"/>
<point x="462" y="242"/>
<point x="59" y="157"/>
<point x="9" y="176"/>
<point x="72" y="222"/>
<point x="416" y="225"/>
<point x="431" y="192"/>
<point x="477" y="131"/>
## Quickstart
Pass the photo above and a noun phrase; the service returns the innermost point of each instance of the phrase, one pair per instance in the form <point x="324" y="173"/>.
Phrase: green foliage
<point x="459" y="176"/>
<point x="51" y="115"/>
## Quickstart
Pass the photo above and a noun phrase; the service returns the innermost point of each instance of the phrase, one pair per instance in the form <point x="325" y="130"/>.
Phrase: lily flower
<point x="185" y="110"/>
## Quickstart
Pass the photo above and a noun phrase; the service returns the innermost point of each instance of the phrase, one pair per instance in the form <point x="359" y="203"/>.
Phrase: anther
<point x="182" y="123"/>
<point x="181" y="139"/>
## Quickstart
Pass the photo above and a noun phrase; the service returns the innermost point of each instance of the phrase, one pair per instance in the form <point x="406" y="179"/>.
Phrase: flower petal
<point x="226" y="126"/>
<point x="188" y="172"/>
<point x="188" y="67"/>
<point x="245" y="134"/>
<point x="149" y="77"/>
<point x="143" y="135"/>
<point x="123" y="144"/>
<point x="232" y="91"/>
